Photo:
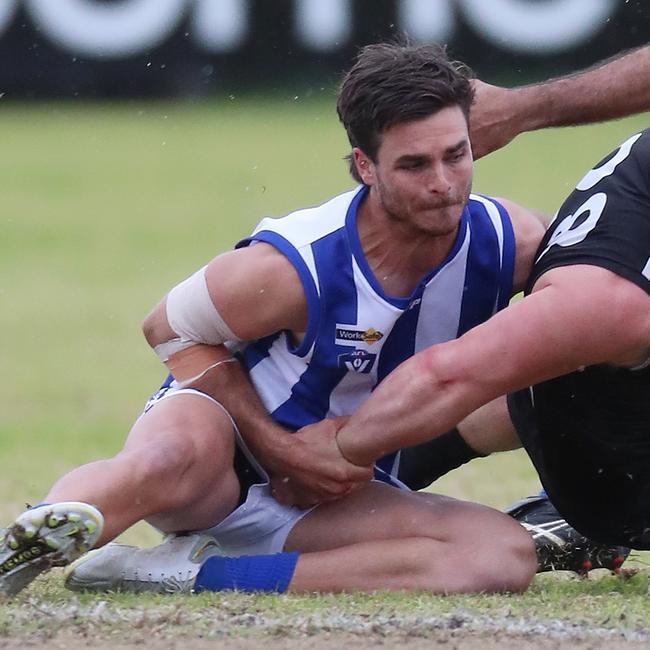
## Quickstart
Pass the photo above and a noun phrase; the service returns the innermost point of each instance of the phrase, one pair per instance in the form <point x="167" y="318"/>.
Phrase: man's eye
<point x="412" y="165"/>
<point x="457" y="157"/>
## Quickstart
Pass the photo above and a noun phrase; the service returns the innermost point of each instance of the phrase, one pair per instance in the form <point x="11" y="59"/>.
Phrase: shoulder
<point x="526" y="223"/>
<point x="260" y="260"/>
<point x="528" y="227"/>
<point x="302" y="227"/>
<point x="259" y="289"/>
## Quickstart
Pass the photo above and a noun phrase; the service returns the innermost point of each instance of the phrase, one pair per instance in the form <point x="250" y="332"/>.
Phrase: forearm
<point x="188" y="332"/>
<point x="227" y="382"/>
<point x="440" y="386"/>
<point x="304" y="469"/>
<point x="416" y="402"/>
<point x="265" y="438"/>
<point x="613" y="88"/>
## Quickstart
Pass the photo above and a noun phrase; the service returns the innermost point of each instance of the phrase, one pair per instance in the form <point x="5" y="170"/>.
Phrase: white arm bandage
<point x="193" y="317"/>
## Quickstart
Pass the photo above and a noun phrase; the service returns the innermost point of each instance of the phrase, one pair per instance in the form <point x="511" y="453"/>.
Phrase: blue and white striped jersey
<point x="356" y="333"/>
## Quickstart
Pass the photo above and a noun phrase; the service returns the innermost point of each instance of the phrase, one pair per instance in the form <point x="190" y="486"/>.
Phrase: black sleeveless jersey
<point x="605" y="221"/>
<point x="588" y="433"/>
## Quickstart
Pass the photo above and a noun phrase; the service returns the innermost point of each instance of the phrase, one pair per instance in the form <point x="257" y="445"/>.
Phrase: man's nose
<point x="438" y="181"/>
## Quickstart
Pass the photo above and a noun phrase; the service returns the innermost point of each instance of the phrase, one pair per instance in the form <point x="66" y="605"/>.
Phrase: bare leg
<point x="175" y="470"/>
<point x="384" y="538"/>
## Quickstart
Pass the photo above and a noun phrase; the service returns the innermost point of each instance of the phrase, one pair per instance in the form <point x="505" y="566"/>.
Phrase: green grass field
<point x="105" y="207"/>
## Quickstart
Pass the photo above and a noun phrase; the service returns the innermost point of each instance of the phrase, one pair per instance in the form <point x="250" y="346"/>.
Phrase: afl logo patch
<point x="357" y="361"/>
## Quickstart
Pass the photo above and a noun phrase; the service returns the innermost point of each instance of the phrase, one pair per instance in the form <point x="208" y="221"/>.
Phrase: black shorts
<point x="246" y="473"/>
<point x="592" y="456"/>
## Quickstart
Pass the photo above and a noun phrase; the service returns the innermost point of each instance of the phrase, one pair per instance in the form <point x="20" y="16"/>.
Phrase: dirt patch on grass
<point x="457" y="640"/>
<point x="173" y="625"/>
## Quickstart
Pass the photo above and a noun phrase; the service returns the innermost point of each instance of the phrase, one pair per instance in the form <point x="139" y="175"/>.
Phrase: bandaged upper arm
<point x="192" y="316"/>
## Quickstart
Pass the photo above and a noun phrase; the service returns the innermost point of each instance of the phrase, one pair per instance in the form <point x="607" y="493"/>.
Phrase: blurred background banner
<point x="176" y="48"/>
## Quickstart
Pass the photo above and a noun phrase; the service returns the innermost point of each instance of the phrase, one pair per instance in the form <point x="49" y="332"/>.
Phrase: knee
<point x="163" y="460"/>
<point x="489" y="553"/>
<point x="481" y="551"/>
<point x="171" y="471"/>
<point x="504" y="560"/>
<point x="175" y="448"/>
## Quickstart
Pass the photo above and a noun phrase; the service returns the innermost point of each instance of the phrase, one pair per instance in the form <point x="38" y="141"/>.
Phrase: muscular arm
<point x="257" y="292"/>
<point x="611" y="89"/>
<point x="573" y="318"/>
<point x="244" y="285"/>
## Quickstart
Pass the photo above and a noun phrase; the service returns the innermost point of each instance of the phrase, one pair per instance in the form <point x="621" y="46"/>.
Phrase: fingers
<point x="331" y="478"/>
<point x="339" y="421"/>
<point x="359" y="474"/>
<point x="346" y="472"/>
<point x="492" y="125"/>
<point x="291" y="492"/>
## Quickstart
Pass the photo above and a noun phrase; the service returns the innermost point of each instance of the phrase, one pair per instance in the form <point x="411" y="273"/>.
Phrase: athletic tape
<point x="193" y="317"/>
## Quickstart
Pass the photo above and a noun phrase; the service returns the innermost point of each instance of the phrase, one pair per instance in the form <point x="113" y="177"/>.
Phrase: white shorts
<point x="260" y="525"/>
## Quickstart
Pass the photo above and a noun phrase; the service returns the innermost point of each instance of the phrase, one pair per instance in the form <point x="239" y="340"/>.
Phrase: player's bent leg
<point x="175" y="470"/>
<point x="379" y="538"/>
<point x="384" y="538"/>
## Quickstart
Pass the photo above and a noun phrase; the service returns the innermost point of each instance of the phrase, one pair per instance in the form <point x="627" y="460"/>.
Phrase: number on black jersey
<point x="605" y="221"/>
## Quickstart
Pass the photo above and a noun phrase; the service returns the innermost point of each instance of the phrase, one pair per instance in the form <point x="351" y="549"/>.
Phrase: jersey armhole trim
<point x="625" y="272"/>
<point x="508" y="255"/>
<point x="306" y="279"/>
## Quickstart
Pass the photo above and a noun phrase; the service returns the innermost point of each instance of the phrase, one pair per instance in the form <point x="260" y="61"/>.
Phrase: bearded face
<point x="422" y="176"/>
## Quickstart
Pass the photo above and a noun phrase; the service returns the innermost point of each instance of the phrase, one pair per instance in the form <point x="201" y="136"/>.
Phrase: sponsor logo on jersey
<point x="348" y="335"/>
<point x="357" y="361"/>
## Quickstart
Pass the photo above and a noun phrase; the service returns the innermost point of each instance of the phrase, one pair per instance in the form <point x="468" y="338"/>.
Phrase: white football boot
<point x="170" y="567"/>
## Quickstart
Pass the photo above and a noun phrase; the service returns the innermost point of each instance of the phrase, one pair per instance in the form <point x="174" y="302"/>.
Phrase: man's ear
<point x="364" y="166"/>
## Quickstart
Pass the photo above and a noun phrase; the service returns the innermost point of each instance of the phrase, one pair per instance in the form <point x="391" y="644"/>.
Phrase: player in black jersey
<point x="580" y="339"/>
<point x="588" y="432"/>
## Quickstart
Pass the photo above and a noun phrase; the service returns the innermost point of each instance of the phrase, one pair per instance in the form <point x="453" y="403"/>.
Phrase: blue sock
<point x="37" y="505"/>
<point x="247" y="573"/>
